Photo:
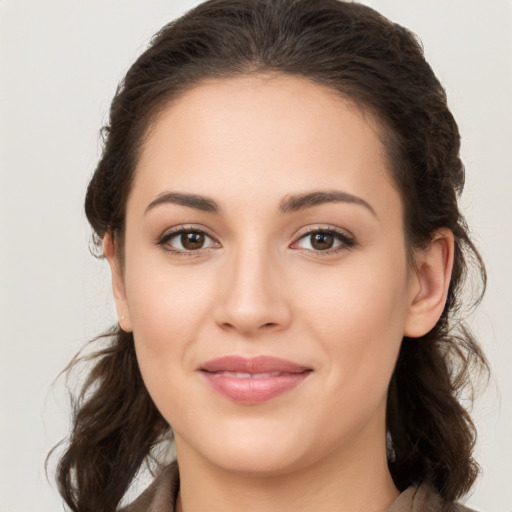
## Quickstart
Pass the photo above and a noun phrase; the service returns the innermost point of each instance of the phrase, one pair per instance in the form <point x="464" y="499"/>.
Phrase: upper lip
<point x="253" y="365"/>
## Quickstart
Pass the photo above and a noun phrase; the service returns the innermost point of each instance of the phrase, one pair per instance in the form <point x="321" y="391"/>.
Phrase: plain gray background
<point x="60" y="61"/>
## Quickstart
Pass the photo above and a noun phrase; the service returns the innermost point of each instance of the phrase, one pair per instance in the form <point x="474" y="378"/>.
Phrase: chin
<point x="261" y="461"/>
<point x="251" y="448"/>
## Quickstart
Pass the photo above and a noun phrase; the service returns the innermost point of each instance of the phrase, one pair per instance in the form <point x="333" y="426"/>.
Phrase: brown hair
<point x="380" y="66"/>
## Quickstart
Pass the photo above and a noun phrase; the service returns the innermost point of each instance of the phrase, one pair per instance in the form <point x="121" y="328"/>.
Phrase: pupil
<point x="192" y="241"/>
<point x="322" y="241"/>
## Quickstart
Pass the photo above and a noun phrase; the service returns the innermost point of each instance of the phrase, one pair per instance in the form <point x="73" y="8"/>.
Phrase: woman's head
<point x="262" y="222"/>
<point x="350" y="56"/>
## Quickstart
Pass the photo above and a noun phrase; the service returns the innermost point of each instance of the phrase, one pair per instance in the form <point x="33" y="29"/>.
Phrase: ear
<point x="109" y="251"/>
<point x="429" y="283"/>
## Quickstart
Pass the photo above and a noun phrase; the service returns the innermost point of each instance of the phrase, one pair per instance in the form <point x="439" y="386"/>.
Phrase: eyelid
<point x="346" y="238"/>
<point x="175" y="231"/>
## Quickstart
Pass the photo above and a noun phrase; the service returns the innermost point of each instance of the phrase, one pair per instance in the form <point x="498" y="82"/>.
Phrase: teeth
<point x="241" y="375"/>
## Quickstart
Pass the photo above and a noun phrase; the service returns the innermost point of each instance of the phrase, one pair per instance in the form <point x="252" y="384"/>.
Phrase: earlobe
<point x="430" y="282"/>
<point x="118" y="288"/>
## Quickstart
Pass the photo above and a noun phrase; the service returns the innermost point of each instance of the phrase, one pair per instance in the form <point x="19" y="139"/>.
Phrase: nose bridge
<point x="253" y="297"/>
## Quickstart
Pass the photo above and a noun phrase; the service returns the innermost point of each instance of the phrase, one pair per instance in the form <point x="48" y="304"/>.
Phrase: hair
<point x="379" y="66"/>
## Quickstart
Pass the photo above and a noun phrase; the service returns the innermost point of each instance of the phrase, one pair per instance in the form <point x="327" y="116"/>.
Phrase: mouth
<point x="241" y="375"/>
<point x="253" y="380"/>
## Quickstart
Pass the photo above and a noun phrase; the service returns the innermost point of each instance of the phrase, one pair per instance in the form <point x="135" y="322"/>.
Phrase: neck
<point x="355" y="481"/>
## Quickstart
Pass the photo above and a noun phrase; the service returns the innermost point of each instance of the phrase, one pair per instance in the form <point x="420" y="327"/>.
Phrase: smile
<point x="254" y="380"/>
<point x="240" y="375"/>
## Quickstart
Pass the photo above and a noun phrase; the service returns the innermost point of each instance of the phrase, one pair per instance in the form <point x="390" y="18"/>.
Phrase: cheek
<point x="168" y="306"/>
<point x="355" y="299"/>
<point x="358" y="316"/>
<point x="168" y="310"/>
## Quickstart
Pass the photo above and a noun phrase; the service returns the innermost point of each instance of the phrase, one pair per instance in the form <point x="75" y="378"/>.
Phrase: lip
<point x="253" y="380"/>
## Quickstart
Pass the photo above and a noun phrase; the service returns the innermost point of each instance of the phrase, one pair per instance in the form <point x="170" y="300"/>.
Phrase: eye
<point x="186" y="240"/>
<point x="323" y="240"/>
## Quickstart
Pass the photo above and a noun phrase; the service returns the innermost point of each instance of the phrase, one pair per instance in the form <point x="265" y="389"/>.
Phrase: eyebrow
<point x="302" y="201"/>
<point x="290" y="204"/>
<point x="191" y="200"/>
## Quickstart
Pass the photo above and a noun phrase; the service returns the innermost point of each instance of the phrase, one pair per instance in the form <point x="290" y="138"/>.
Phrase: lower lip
<point x="254" y="390"/>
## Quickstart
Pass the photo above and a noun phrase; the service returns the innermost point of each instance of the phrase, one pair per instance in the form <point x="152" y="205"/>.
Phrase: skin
<point x="259" y="287"/>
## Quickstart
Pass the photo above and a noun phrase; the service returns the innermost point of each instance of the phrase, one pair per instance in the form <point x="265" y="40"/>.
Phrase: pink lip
<point x="259" y="386"/>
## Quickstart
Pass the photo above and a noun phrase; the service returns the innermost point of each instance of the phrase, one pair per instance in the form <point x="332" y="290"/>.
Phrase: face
<point x="265" y="274"/>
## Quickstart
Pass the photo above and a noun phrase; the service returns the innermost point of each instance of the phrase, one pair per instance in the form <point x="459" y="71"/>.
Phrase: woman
<point x="277" y="200"/>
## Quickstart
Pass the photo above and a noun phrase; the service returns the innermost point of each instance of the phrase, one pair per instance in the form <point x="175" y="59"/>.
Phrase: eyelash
<point x="165" y="239"/>
<point x="346" y="242"/>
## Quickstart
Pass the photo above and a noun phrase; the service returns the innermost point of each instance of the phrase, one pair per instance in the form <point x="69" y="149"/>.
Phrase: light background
<point x="60" y="61"/>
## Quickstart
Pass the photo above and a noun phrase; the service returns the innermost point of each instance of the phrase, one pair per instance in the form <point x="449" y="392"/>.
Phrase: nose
<point x="254" y="296"/>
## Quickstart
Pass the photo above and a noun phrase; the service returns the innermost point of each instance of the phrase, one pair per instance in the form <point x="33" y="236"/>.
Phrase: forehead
<point x="276" y="131"/>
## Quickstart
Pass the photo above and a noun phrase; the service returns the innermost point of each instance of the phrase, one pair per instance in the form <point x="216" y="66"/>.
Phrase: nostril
<point x="266" y="326"/>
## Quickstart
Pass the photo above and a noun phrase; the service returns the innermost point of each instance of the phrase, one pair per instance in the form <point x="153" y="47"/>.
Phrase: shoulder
<point x="424" y="498"/>
<point x="161" y="495"/>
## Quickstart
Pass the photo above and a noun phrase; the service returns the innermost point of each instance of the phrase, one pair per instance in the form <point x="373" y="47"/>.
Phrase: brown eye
<point x="322" y="241"/>
<point x="327" y="241"/>
<point x="192" y="241"/>
<point x="187" y="241"/>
